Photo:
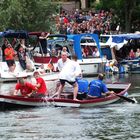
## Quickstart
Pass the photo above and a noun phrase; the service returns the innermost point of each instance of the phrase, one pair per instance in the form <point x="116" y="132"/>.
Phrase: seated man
<point x="97" y="88"/>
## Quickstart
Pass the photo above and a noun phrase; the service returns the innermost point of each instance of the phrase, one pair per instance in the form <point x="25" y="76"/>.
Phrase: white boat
<point x="118" y="47"/>
<point x="5" y="74"/>
<point x="89" y="65"/>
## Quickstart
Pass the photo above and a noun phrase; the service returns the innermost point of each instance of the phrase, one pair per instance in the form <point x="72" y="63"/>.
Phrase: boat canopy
<point x="15" y="34"/>
<point x="119" y="40"/>
<point x="76" y="38"/>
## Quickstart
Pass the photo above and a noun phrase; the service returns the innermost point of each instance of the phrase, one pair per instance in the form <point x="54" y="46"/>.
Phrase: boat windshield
<point x="89" y="47"/>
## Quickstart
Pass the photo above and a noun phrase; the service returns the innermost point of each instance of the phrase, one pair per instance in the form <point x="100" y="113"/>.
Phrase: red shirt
<point x="42" y="89"/>
<point x="25" y="89"/>
<point x="65" y="20"/>
<point x="9" y="53"/>
<point x="132" y="54"/>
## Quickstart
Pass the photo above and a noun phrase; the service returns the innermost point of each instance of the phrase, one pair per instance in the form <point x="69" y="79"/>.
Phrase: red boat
<point x="66" y="100"/>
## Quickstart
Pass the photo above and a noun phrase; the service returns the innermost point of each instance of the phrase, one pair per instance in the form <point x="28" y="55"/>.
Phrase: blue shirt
<point x="96" y="88"/>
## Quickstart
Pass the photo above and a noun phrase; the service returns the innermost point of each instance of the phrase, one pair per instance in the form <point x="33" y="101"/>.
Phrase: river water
<point x="118" y="121"/>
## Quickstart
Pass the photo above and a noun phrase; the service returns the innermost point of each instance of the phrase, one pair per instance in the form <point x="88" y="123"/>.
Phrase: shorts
<point x="10" y="62"/>
<point x="62" y="81"/>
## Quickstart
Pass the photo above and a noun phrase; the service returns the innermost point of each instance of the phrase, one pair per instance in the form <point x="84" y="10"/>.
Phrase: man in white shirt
<point x="62" y="61"/>
<point x="68" y="73"/>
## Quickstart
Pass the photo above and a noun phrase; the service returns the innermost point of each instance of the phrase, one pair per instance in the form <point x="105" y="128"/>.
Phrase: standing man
<point x="43" y="43"/>
<point x="67" y="74"/>
<point x="9" y="57"/>
<point x="62" y="61"/>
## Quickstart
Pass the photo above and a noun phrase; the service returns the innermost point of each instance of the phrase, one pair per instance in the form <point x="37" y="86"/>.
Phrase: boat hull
<point x="18" y="101"/>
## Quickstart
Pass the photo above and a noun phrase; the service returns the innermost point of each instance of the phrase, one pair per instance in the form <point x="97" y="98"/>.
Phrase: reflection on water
<point x="116" y="121"/>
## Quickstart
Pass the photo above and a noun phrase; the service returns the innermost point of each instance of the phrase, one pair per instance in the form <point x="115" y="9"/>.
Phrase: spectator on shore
<point x="78" y="22"/>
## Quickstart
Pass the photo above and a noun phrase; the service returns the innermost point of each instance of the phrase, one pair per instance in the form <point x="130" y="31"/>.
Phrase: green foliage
<point x="30" y="15"/>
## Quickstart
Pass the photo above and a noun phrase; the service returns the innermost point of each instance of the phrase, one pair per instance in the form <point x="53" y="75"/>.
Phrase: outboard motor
<point x="82" y="88"/>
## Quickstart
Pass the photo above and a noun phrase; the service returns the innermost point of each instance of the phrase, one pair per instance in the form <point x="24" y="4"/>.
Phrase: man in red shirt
<point x="26" y="89"/>
<point x="41" y="86"/>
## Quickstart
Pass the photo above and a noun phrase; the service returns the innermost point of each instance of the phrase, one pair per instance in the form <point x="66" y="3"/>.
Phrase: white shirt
<point x="69" y="71"/>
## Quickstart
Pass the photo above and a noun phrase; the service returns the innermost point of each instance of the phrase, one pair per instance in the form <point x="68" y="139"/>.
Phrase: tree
<point x="31" y="15"/>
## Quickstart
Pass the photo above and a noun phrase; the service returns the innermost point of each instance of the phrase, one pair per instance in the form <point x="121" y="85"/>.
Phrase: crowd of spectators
<point x="76" y="22"/>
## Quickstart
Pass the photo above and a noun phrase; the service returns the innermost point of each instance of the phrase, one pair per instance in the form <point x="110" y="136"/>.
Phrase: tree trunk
<point x="129" y="6"/>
